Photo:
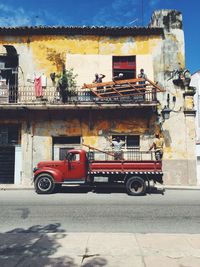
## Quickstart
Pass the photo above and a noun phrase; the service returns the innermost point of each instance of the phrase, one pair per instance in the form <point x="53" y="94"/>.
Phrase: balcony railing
<point x="50" y="95"/>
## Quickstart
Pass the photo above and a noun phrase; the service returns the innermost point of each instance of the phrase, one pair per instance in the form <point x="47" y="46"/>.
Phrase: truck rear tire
<point x="44" y="184"/>
<point x="135" y="186"/>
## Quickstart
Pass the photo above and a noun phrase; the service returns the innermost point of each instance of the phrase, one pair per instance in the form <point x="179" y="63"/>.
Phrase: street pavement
<point x="38" y="230"/>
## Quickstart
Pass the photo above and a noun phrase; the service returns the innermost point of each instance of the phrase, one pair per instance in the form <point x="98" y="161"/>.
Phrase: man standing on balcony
<point x="143" y="76"/>
<point x="98" y="79"/>
<point x="157" y="145"/>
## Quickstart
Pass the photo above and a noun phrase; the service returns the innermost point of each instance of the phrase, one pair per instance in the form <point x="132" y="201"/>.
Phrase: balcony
<point x="104" y="97"/>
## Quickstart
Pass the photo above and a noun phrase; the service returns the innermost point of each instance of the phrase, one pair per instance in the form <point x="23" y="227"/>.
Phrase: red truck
<point x="77" y="169"/>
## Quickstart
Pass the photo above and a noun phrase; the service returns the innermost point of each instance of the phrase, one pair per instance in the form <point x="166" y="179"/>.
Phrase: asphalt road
<point x="177" y="211"/>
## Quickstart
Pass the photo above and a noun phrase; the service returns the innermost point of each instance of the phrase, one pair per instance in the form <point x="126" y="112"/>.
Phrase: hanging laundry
<point x="38" y="87"/>
<point x="44" y="80"/>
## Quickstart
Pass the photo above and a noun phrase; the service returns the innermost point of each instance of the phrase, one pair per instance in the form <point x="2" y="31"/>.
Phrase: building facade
<point x="36" y="124"/>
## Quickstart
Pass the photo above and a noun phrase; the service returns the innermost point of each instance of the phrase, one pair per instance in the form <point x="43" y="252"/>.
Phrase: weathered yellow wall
<point x="87" y="65"/>
<point x="46" y="54"/>
<point x="94" y="129"/>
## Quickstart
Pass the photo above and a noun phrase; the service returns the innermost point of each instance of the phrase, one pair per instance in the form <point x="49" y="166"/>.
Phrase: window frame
<point x="125" y="66"/>
<point x="63" y="146"/>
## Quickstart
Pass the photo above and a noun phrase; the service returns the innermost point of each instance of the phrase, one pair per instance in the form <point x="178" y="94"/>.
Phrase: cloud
<point x="123" y="12"/>
<point x="114" y="13"/>
<point x="119" y="12"/>
<point x="18" y="17"/>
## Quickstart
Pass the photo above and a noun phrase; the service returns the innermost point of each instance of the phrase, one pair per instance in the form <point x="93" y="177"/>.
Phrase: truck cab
<point x="72" y="170"/>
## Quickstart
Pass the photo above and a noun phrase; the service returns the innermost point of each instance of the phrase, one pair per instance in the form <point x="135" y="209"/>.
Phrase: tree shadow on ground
<point x="37" y="246"/>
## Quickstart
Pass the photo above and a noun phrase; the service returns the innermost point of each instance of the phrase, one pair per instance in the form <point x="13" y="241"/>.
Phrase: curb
<point x="169" y="187"/>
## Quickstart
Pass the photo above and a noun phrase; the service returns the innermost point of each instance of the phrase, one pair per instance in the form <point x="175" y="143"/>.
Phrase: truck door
<point x="75" y="167"/>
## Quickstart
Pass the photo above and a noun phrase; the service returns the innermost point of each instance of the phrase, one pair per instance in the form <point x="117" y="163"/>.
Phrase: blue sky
<point x="104" y="12"/>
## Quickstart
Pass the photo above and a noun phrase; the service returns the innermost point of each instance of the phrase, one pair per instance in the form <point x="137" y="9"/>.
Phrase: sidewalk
<point x="16" y="187"/>
<point x="99" y="249"/>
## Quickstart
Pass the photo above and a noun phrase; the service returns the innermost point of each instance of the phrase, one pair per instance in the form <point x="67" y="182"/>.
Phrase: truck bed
<point x="147" y="166"/>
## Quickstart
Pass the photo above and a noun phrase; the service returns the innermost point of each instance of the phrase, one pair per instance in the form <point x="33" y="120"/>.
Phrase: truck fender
<point x="56" y="174"/>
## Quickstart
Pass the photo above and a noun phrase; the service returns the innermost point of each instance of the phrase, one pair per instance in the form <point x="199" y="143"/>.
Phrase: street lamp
<point x="166" y="113"/>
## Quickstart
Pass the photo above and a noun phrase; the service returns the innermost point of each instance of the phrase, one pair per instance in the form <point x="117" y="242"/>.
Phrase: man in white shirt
<point x="117" y="147"/>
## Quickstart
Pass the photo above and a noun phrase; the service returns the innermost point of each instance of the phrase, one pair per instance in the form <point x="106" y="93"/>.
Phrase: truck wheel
<point x="44" y="184"/>
<point x="135" y="186"/>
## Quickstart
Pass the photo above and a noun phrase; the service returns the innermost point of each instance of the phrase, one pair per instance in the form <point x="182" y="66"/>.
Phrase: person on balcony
<point x="143" y="76"/>
<point x="118" y="77"/>
<point x="157" y="145"/>
<point x="98" y="79"/>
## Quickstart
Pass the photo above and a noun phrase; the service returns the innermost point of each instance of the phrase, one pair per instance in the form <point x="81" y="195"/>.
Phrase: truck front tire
<point x="44" y="184"/>
<point x="135" y="186"/>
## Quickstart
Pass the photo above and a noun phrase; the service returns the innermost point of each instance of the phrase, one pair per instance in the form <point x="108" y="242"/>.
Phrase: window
<point x="9" y="134"/>
<point x="66" y="140"/>
<point x="62" y="144"/>
<point x="131" y="141"/>
<point x="125" y="65"/>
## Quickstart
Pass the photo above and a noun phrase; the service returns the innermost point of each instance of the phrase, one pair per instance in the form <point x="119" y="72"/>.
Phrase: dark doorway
<point x="7" y="164"/>
<point x="9" y="137"/>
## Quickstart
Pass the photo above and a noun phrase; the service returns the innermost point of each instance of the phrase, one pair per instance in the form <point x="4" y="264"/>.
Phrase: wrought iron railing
<point x="50" y="95"/>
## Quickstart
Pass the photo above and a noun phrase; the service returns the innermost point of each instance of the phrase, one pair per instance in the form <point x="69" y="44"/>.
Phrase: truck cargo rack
<point x="132" y="155"/>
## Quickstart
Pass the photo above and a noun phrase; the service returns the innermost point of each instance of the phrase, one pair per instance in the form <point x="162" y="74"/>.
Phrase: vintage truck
<point x="78" y="169"/>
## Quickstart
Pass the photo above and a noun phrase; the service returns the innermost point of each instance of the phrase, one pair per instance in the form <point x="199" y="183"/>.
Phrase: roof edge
<point x="80" y="30"/>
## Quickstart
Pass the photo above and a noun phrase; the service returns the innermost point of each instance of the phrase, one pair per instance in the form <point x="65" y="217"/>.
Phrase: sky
<point x="104" y="13"/>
